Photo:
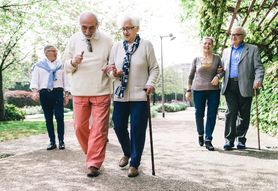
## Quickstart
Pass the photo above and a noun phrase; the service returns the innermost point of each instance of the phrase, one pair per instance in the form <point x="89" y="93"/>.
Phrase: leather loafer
<point x="93" y="172"/>
<point x="124" y="161"/>
<point x="132" y="172"/>
<point x="62" y="146"/>
<point x="209" y="146"/>
<point x="51" y="146"/>
<point x="201" y="140"/>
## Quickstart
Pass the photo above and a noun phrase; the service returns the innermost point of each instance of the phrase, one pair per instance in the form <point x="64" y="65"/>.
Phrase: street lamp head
<point x="172" y="38"/>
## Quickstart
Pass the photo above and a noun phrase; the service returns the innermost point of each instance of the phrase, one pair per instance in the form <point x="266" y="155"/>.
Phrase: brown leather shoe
<point x="124" y="161"/>
<point x="132" y="172"/>
<point x="93" y="172"/>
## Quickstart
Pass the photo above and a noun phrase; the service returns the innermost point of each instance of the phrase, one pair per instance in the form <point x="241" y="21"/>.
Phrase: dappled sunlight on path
<point x="180" y="163"/>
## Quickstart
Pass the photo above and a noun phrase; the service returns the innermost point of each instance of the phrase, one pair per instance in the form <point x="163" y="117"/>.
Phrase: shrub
<point x="20" y="98"/>
<point x="268" y="102"/>
<point x="172" y="107"/>
<point x="12" y="113"/>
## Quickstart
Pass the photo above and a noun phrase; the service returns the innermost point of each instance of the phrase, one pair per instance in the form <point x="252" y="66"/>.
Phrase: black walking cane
<point x="257" y="119"/>
<point x="151" y="134"/>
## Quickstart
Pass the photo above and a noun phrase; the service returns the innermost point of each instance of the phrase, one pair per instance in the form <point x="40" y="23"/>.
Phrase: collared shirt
<point x="234" y="60"/>
<point x="40" y="78"/>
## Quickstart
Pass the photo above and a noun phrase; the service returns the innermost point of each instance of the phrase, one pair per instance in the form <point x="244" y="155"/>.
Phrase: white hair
<point x="241" y="29"/>
<point x="133" y="19"/>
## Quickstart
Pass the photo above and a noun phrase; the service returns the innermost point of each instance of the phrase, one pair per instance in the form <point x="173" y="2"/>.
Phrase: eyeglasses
<point x="90" y="28"/>
<point x="89" y="45"/>
<point x="236" y="35"/>
<point x="128" y="29"/>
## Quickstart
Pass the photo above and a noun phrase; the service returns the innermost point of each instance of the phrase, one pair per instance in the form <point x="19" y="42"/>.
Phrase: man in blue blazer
<point x="243" y="73"/>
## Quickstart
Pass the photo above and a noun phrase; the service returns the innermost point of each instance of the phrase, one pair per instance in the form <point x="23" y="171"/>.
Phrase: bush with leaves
<point x="12" y="113"/>
<point x="268" y="102"/>
<point x="20" y="98"/>
<point x="171" y="107"/>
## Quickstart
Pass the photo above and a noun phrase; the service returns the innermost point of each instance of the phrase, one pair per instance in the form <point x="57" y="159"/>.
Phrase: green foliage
<point x="171" y="107"/>
<point x="212" y="19"/>
<point x="268" y="102"/>
<point x="12" y="113"/>
<point x="10" y="130"/>
<point x="172" y="82"/>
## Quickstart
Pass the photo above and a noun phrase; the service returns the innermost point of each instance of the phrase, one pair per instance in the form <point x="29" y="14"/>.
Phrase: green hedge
<point x="268" y="102"/>
<point x="171" y="107"/>
<point x="12" y="113"/>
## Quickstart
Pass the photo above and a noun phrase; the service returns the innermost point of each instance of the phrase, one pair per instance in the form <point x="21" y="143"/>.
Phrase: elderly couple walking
<point x="243" y="74"/>
<point x="93" y="62"/>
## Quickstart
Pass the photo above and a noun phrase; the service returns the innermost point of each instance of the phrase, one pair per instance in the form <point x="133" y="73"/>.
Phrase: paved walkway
<point x="180" y="163"/>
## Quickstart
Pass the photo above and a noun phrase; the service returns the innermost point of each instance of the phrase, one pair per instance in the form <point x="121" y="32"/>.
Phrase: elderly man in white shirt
<point x="86" y="54"/>
<point x="49" y="85"/>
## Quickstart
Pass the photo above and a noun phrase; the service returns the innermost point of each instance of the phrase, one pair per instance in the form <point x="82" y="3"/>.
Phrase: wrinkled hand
<point x="219" y="70"/>
<point x="257" y="85"/>
<point x="35" y="96"/>
<point x="188" y="96"/>
<point x="149" y="89"/>
<point x="108" y="68"/>
<point x="215" y="81"/>
<point x="66" y="100"/>
<point x="78" y="58"/>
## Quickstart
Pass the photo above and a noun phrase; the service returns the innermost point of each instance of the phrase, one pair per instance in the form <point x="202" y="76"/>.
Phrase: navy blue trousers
<point x="52" y="102"/>
<point x="132" y="145"/>
<point x="212" y="99"/>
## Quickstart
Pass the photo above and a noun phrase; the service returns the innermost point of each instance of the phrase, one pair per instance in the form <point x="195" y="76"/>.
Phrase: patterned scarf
<point x="126" y="64"/>
<point x="52" y="72"/>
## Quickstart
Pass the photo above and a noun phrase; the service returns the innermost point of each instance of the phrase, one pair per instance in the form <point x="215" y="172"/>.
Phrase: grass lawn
<point x="16" y="129"/>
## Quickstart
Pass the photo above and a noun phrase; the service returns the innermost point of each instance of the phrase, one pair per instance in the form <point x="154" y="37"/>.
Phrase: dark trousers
<point x="132" y="145"/>
<point x="201" y="98"/>
<point x="52" y="102"/>
<point x="237" y="113"/>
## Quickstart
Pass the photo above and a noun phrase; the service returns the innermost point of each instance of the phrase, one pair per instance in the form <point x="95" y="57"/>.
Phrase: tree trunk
<point x="2" y="111"/>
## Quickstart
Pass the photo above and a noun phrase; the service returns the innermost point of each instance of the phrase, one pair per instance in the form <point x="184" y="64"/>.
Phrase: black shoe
<point x="201" y="140"/>
<point x="228" y="146"/>
<point x="51" y="146"/>
<point x="209" y="146"/>
<point x="61" y="145"/>
<point x="241" y="146"/>
<point x="93" y="172"/>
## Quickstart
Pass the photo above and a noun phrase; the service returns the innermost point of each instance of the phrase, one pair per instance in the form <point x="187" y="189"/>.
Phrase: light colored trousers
<point x="92" y="139"/>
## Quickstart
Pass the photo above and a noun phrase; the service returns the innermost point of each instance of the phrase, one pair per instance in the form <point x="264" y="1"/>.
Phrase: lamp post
<point x="172" y="37"/>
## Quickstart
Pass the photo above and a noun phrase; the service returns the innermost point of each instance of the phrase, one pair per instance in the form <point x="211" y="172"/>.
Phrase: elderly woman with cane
<point x="134" y="66"/>
<point x="203" y="80"/>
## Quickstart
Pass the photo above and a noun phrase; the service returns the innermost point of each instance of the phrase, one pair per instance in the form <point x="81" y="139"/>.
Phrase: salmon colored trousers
<point x="92" y="139"/>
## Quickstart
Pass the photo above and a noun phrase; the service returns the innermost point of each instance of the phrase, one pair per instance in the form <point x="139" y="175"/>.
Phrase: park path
<point x="180" y="163"/>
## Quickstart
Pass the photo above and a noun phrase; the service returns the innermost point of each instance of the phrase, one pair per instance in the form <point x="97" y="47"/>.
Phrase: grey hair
<point x="209" y="38"/>
<point x="134" y="20"/>
<point x="47" y="47"/>
<point x="88" y="14"/>
<point x="241" y="29"/>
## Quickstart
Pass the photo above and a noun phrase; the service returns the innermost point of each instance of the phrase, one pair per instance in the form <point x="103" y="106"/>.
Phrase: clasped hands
<point x="111" y="69"/>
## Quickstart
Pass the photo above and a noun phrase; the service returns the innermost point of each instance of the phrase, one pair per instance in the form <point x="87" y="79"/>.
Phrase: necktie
<point x="89" y="45"/>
